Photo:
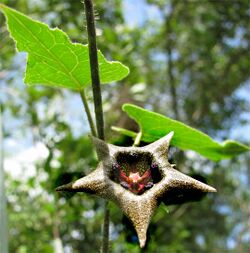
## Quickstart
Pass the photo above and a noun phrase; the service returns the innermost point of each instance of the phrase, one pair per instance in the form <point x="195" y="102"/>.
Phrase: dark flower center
<point x="135" y="172"/>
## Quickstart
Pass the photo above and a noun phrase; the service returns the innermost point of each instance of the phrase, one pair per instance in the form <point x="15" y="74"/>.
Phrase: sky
<point x="136" y="12"/>
<point x="20" y="149"/>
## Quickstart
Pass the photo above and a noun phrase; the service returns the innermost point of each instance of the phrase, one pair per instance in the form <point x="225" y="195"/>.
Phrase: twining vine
<point x="97" y="96"/>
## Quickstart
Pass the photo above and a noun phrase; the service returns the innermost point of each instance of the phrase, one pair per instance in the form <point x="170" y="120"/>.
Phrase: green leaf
<point x="53" y="60"/>
<point x="154" y="126"/>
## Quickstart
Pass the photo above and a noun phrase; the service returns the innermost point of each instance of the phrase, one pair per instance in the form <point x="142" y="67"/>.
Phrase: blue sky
<point x="135" y="12"/>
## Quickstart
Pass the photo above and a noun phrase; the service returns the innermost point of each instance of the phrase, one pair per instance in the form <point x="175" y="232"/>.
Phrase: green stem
<point x="94" y="67"/>
<point x="105" y="236"/>
<point x="137" y="139"/>
<point x="86" y="107"/>
<point x="97" y="95"/>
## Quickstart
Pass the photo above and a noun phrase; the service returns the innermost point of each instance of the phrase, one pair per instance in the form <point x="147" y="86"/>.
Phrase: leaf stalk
<point x="87" y="110"/>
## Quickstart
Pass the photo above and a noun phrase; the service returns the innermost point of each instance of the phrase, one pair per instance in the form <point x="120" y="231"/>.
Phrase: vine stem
<point x="97" y="96"/>
<point x="94" y="68"/>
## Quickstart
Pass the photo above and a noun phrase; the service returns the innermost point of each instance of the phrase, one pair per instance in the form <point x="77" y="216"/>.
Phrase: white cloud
<point x="22" y="164"/>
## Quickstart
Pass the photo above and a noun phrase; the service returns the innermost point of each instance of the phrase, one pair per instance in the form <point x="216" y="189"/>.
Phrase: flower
<point x="137" y="179"/>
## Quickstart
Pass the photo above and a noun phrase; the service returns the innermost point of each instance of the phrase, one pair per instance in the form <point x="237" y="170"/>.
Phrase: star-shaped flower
<point x="137" y="179"/>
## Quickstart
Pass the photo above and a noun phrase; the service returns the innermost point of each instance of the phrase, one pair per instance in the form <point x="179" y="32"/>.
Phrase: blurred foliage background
<point x="189" y="60"/>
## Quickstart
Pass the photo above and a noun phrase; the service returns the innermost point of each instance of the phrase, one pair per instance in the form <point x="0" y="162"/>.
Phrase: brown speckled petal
<point x="138" y="208"/>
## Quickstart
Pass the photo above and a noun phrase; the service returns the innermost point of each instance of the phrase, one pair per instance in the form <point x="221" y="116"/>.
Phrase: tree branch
<point x="170" y="65"/>
<point x="3" y="207"/>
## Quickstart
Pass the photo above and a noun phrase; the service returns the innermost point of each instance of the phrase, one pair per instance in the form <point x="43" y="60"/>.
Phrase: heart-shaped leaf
<point x="154" y="126"/>
<point x="53" y="60"/>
